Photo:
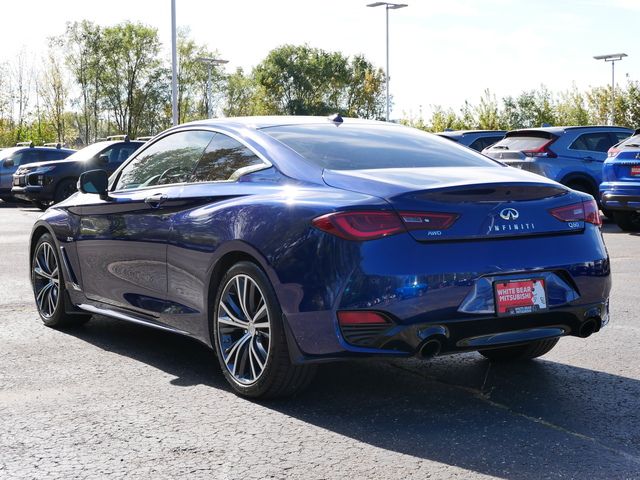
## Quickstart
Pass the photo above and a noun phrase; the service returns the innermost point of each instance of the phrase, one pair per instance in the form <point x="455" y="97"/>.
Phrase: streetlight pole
<point x="388" y="6"/>
<point x="210" y="62"/>
<point x="174" y="66"/>
<point x="613" y="58"/>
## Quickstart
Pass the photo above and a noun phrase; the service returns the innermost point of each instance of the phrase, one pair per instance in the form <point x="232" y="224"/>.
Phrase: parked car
<point x="281" y="242"/>
<point x="475" y="139"/>
<point x="25" y="153"/>
<point x="45" y="183"/>
<point x="620" y="187"/>
<point x="572" y="156"/>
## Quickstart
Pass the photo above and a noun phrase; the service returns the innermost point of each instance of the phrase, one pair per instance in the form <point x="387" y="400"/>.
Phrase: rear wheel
<point x="249" y="336"/>
<point x="48" y="285"/>
<point x="527" y="351"/>
<point x="65" y="189"/>
<point x="627" y="221"/>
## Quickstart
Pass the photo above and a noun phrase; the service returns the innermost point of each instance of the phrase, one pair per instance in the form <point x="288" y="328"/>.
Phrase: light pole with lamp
<point x="210" y="62"/>
<point x="613" y="58"/>
<point x="388" y="6"/>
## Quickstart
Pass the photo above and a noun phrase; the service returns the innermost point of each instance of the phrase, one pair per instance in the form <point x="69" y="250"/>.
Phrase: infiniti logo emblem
<point x="509" y="214"/>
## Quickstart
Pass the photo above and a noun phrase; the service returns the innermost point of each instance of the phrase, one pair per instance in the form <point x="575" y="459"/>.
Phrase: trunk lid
<point x="487" y="202"/>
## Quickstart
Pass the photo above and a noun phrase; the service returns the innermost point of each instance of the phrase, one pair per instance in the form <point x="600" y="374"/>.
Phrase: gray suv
<point x="572" y="156"/>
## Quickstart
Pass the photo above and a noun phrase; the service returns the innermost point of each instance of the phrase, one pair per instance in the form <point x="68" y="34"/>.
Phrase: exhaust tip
<point x="588" y="327"/>
<point x="430" y="349"/>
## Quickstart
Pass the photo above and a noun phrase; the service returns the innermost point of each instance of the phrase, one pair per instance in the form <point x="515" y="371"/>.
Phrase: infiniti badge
<point x="509" y="214"/>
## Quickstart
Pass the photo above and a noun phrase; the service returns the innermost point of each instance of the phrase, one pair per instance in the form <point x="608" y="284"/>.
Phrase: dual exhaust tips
<point x="432" y="347"/>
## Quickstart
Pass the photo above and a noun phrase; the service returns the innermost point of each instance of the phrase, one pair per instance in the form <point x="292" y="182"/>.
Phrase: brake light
<point x="612" y="152"/>
<point x="586" y="211"/>
<point x="370" y="225"/>
<point x="361" y="318"/>
<point x="360" y="225"/>
<point x="542" y="151"/>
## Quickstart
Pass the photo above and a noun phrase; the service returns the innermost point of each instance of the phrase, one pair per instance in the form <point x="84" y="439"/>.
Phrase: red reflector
<point x="586" y="211"/>
<point x="612" y="152"/>
<point x="428" y="221"/>
<point x="360" y="318"/>
<point x="360" y="225"/>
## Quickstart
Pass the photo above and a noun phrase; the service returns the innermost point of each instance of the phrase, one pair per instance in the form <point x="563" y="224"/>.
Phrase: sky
<point x="441" y="52"/>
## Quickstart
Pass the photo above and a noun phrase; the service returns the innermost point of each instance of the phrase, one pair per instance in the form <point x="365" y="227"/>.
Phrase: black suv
<point x="24" y="153"/>
<point x="45" y="183"/>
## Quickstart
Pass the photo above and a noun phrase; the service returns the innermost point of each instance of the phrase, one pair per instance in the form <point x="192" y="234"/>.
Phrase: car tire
<point x="48" y="286"/>
<point x="249" y="336"/>
<point x="627" y="221"/>
<point x="65" y="189"/>
<point x="527" y="351"/>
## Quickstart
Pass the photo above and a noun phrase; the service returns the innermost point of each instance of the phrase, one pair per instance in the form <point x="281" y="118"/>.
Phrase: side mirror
<point x="103" y="159"/>
<point x="9" y="162"/>
<point x="94" y="181"/>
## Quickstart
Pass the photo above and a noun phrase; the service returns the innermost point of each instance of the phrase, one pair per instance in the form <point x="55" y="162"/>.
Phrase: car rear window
<point x="521" y="143"/>
<point x="356" y="147"/>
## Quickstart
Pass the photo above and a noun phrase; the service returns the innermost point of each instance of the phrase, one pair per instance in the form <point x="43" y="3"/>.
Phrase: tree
<point x="192" y="79"/>
<point x="83" y="58"/>
<point x="300" y="80"/>
<point x="571" y="108"/>
<point x="243" y="96"/>
<point x="487" y="114"/>
<point x="54" y="91"/>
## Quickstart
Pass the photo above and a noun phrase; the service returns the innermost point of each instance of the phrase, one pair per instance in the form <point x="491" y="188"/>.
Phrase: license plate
<point x="516" y="297"/>
<point x="635" y="171"/>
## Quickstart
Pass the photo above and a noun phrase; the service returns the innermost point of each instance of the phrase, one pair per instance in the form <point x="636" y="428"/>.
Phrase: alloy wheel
<point x="243" y="329"/>
<point x="46" y="279"/>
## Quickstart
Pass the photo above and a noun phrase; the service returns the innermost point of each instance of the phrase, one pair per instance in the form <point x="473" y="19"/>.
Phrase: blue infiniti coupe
<point x="282" y="242"/>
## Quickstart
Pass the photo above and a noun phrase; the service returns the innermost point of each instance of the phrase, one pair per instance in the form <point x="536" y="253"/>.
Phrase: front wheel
<point x="627" y="221"/>
<point x="48" y="285"/>
<point x="249" y="337"/>
<point x="527" y="351"/>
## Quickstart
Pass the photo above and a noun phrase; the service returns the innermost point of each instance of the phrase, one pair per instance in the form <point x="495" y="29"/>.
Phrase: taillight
<point x="360" y="225"/>
<point x="356" y="317"/>
<point x="370" y="225"/>
<point x="612" y="152"/>
<point x="586" y="211"/>
<point x="542" y="151"/>
<point x="428" y="221"/>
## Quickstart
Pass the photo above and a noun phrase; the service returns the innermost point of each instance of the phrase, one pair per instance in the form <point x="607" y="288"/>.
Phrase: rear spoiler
<point x="531" y="133"/>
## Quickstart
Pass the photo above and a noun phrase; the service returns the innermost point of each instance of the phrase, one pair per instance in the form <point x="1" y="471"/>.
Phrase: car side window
<point x="593" y="142"/>
<point x="223" y="158"/>
<point x="55" y="154"/>
<point x="169" y="160"/>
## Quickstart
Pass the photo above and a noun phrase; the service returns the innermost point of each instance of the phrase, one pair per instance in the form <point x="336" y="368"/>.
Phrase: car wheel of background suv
<point x="627" y="221"/>
<point x="249" y="337"/>
<point x="65" y="189"/>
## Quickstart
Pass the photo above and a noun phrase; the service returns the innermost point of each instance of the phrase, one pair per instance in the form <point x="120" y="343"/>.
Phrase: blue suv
<point x="620" y="187"/>
<point x="572" y="156"/>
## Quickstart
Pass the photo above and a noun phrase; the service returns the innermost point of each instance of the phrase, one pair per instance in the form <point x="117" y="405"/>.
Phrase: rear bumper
<point x="439" y="291"/>
<point x="620" y="197"/>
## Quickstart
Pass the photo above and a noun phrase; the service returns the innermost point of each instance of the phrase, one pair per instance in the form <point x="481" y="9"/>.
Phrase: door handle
<point x="588" y="159"/>
<point x="154" y="201"/>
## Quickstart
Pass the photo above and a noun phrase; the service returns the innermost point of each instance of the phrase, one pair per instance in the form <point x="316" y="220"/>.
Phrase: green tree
<point x="82" y="45"/>
<point x="130" y="52"/>
<point x="571" y="108"/>
<point x="488" y="117"/>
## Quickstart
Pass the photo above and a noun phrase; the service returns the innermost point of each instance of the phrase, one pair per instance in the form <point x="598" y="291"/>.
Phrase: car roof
<point x="259" y="122"/>
<point x="561" y="130"/>
<point x="462" y="133"/>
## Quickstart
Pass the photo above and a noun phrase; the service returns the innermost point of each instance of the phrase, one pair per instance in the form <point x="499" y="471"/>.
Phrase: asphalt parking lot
<point x="116" y="400"/>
